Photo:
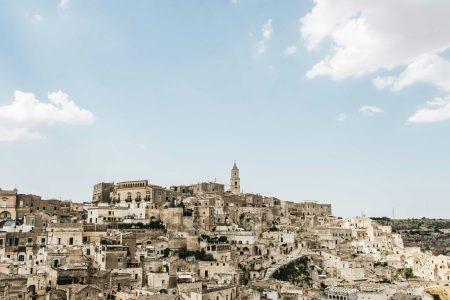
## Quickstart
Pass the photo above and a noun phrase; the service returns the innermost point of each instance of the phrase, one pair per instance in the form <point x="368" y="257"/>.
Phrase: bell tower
<point x="235" y="181"/>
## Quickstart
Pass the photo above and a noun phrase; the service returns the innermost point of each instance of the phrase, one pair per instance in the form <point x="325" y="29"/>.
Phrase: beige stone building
<point x="216" y="293"/>
<point x="101" y="192"/>
<point x="208" y="188"/>
<point x="235" y="181"/>
<point x="8" y="204"/>
<point x="310" y="208"/>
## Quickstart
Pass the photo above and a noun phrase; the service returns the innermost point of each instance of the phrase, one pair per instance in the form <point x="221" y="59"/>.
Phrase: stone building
<point x="8" y="204"/>
<point x="208" y="188"/>
<point x="235" y="181"/>
<point x="310" y="208"/>
<point x="35" y="204"/>
<point x="101" y="192"/>
<point x="216" y="293"/>
<point x="342" y="293"/>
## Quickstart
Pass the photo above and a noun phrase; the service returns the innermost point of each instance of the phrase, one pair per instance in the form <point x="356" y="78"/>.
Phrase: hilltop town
<point x="205" y="241"/>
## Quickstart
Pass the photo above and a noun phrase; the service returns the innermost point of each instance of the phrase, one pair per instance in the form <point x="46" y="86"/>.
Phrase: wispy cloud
<point x="291" y="50"/>
<point x="435" y="111"/>
<point x="341" y="118"/>
<point x="38" y="17"/>
<point x="370" y="110"/>
<point x="266" y="35"/>
<point x="63" y="4"/>
<point x="428" y="68"/>
<point x="34" y="17"/>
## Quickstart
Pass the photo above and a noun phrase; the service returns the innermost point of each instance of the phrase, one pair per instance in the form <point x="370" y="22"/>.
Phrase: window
<point x="71" y="241"/>
<point x="21" y="257"/>
<point x="59" y="241"/>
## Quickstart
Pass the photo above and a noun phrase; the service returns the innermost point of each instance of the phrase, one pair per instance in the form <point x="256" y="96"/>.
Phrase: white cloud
<point x="363" y="36"/>
<point x="341" y="118"/>
<point x="63" y="4"/>
<point x="383" y="82"/>
<point x="25" y="112"/>
<point x="435" y="111"/>
<point x="291" y="50"/>
<point x="14" y="134"/>
<point x="266" y="32"/>
<point x="34" y="17"/>
<point x="429" y="68"/>
<point x="370" y="110"/>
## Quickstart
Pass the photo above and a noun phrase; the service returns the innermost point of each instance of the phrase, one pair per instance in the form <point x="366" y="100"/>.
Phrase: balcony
<point x="137" y="199"/>
<point x="128" y="199"/>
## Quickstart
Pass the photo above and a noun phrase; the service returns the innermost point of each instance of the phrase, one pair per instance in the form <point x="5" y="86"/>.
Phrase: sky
<point x="344" y="102"/>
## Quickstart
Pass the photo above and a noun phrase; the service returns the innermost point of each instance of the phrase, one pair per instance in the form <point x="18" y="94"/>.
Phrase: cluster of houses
<point x="136" y="240"/>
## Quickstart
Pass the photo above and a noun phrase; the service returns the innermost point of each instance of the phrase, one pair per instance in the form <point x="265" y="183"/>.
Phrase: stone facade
<point x="137" y="240"/>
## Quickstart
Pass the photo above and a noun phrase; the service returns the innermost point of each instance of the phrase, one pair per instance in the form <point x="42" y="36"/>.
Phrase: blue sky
<point x="345" y="104"/>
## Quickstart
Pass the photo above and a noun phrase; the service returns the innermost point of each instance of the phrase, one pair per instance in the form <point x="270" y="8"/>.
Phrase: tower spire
<point x="235" y="181"/>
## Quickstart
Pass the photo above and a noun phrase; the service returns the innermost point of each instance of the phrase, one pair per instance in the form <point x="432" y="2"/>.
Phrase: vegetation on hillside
<point x="198" y="255"/>
<point x="296" y="272"/>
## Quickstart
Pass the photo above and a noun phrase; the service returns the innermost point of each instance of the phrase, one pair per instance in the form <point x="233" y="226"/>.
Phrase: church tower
<point x="235" y="181"/>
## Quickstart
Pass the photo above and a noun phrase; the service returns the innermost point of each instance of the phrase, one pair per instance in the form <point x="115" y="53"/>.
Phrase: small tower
<point x="235" y="181"/>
